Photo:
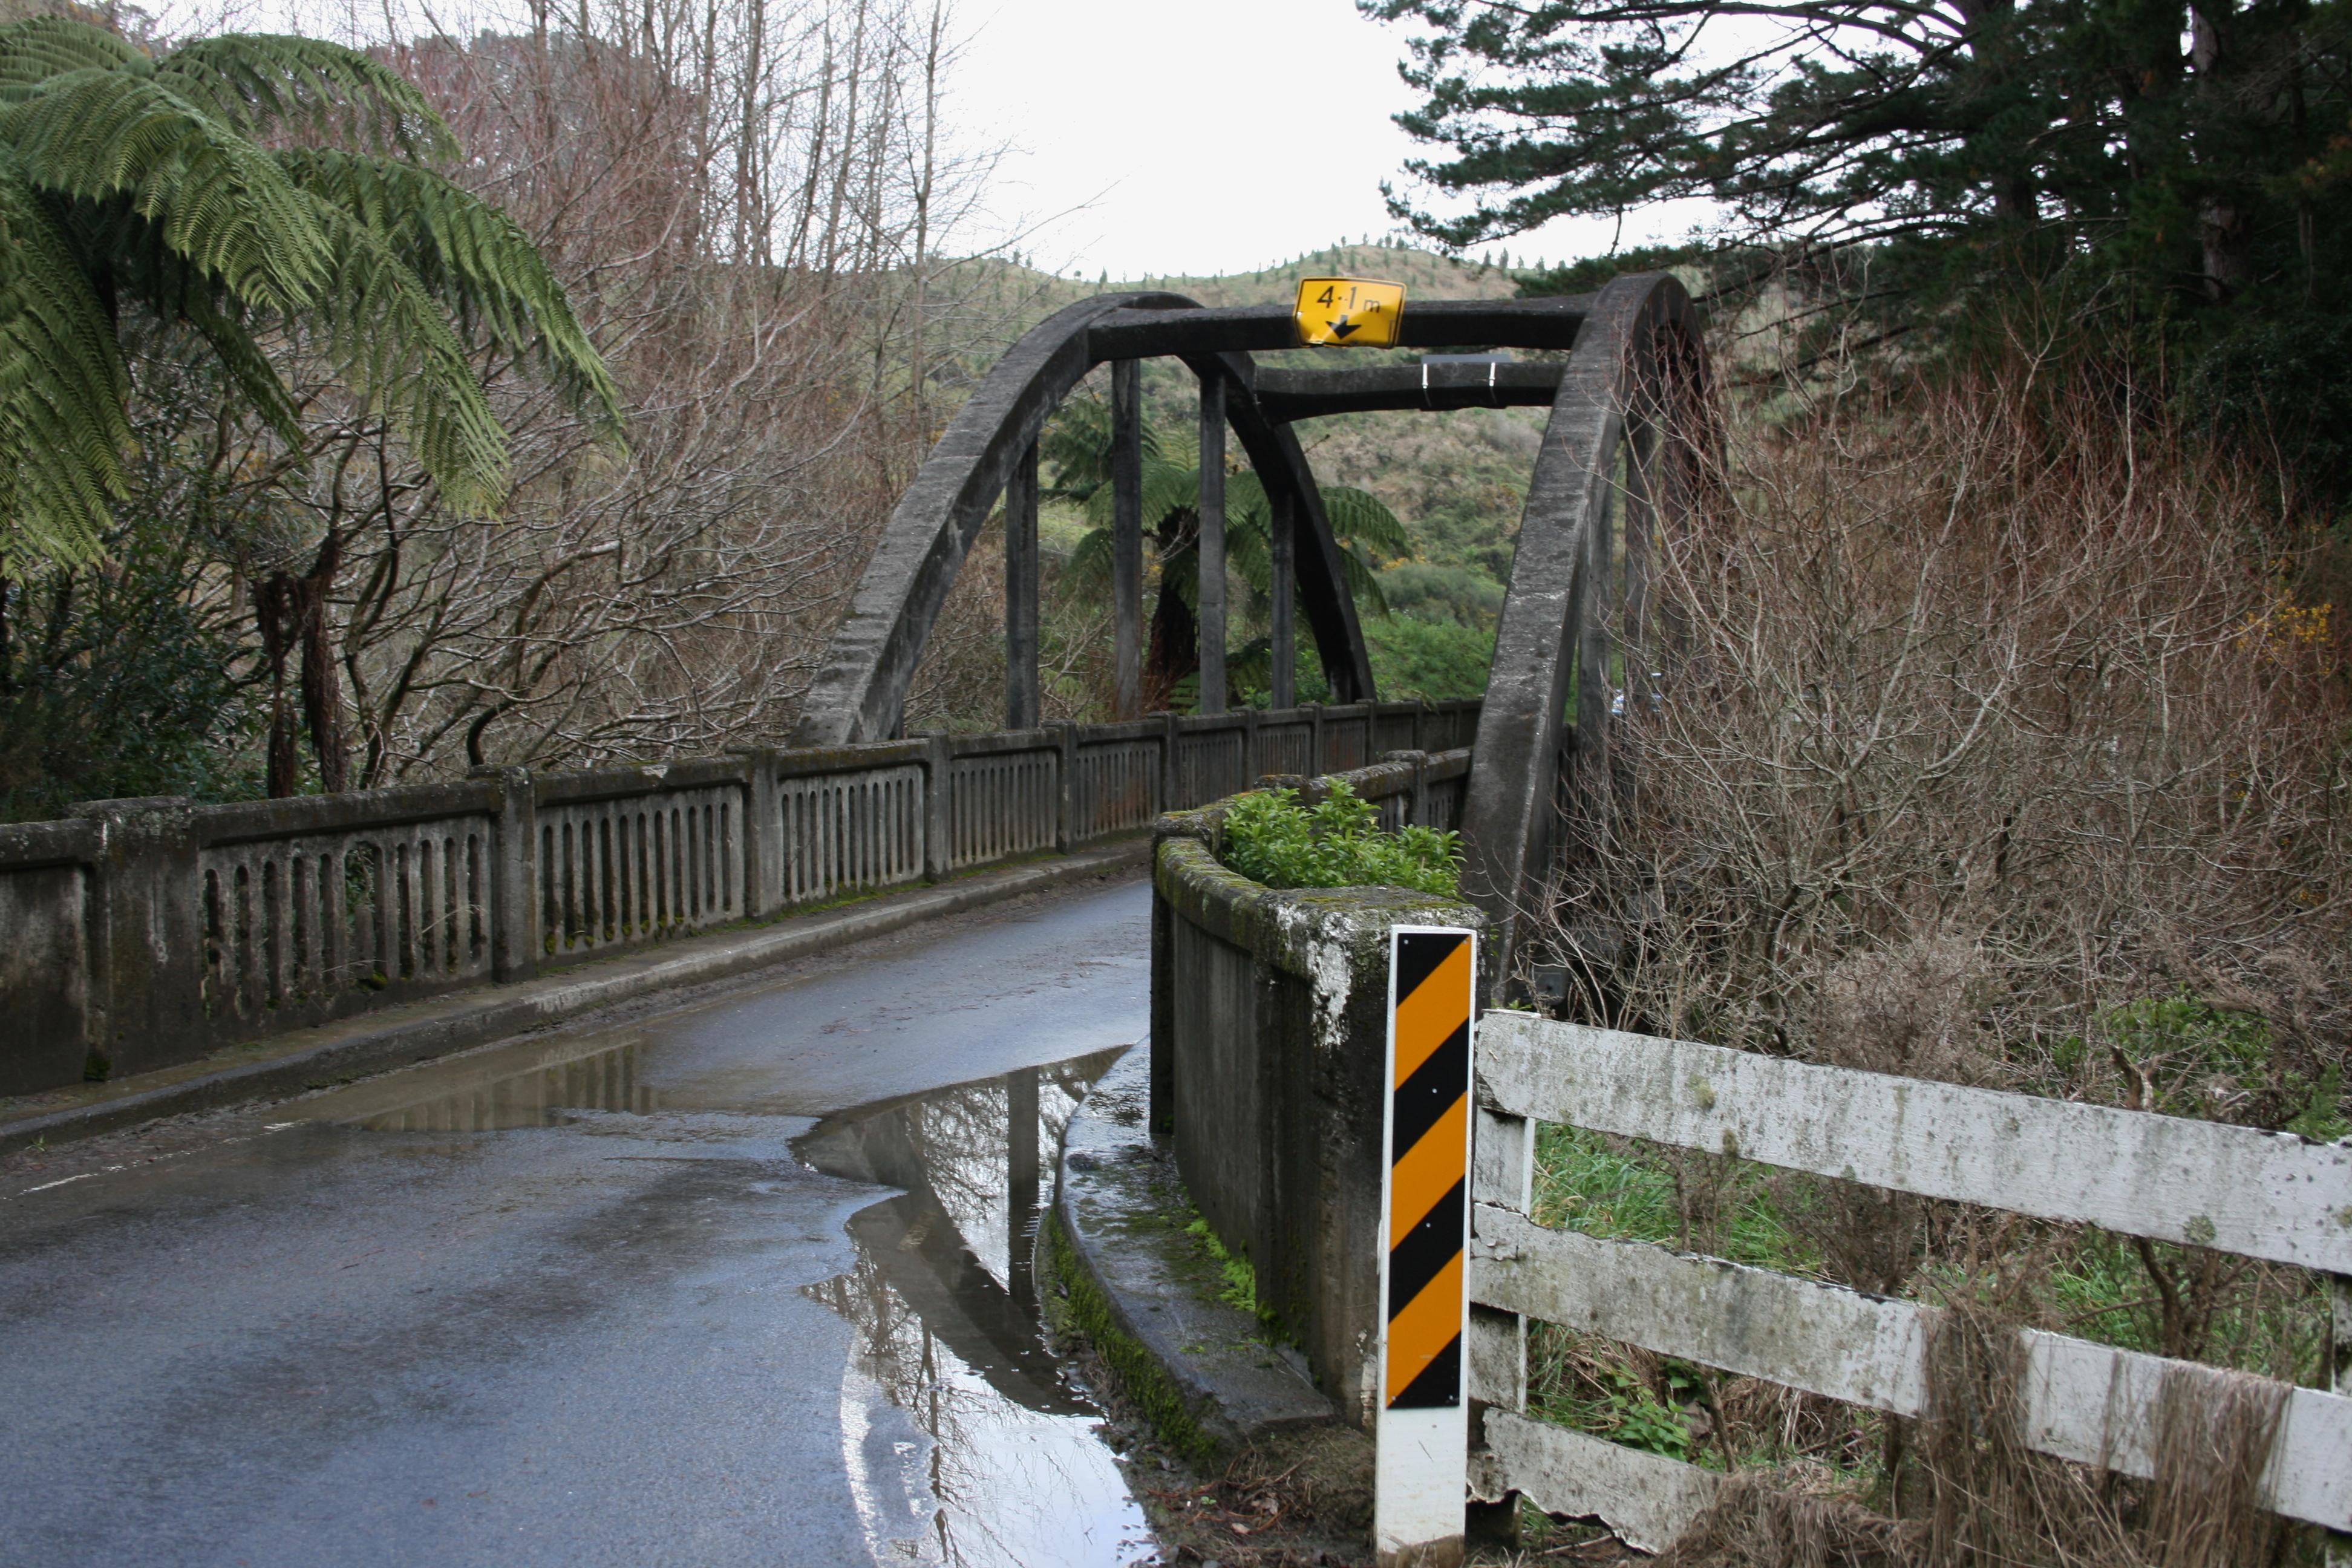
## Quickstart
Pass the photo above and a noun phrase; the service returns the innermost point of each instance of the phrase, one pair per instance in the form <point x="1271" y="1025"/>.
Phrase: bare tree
<point x="750" y="206"/>
<point x="1988" y="713"/>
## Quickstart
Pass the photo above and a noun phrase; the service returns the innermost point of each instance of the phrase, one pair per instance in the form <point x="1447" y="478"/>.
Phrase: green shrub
<point x="1271" y="838"/>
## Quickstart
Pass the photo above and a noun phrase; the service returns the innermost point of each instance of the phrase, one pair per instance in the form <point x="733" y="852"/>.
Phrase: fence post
<point x="1315" y="739"/>
<point x="763" y="832"/>
<point x="2339" y="1291"/>
<point x="515" y="940"/>
<point x="1501" y="1173"/>
<point x="1066" y="823"/>
<point x="939" y="805"/>
<point x="1417" y="806"/>
<point x="147" y="972"/>
<point x="1249" y="762"/>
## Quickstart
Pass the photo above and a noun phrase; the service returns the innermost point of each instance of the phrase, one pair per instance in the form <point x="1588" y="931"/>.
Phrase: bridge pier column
<point x="148" y="936"/>
<point x="1284" y="631"/>
<point x="939" y="807"/>
<point x="1021" y="695"/>
<point x="1066" y="780"/>
<point x="515" y="941"/>
<point x="1213" y="545"/>
<point x="1127" y="530"/>
<point x="763" y="835"/>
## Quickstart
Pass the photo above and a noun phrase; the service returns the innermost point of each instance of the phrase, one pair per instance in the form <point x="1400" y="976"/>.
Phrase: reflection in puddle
<point x="529" y="1085"/>
<point x="537" y="1096"/>
<point x="963" y="1443"/>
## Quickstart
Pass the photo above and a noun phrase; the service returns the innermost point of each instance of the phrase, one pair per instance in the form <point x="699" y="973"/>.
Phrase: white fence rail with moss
<point x="2268" y="1195"/>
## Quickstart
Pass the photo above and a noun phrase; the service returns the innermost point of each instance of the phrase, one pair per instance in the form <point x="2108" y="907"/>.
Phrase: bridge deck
<point x="579" y="1299"/>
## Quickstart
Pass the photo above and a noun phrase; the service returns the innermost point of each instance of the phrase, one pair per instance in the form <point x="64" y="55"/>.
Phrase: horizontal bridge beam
<point x="1132" y="333"/>
<point x="1288" y="394"/>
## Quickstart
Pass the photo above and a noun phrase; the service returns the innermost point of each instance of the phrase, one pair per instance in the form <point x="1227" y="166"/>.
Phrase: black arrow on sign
<point x="1342" y="327"/>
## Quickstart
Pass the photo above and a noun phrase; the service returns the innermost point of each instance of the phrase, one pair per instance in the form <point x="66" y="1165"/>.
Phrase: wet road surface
<point x="636" y="1295"/>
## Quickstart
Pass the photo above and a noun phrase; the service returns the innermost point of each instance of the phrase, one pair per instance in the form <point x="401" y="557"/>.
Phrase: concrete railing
<point x="143" y="934"/>
<point x="1268" y="1039"/>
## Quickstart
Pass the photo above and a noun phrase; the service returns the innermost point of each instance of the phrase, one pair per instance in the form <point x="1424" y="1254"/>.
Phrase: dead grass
<point x="1997" y="746"/>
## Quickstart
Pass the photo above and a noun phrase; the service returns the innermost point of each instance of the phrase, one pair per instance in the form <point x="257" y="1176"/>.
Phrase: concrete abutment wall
<point x="1269" y="1040"/>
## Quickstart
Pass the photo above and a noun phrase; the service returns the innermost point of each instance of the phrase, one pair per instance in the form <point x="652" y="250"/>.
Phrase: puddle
<point x="533" y="1086"/>
<point x="963" y="1441"/>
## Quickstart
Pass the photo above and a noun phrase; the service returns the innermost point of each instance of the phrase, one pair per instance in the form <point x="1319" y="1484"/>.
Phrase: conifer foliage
<point x="272" y="195"/>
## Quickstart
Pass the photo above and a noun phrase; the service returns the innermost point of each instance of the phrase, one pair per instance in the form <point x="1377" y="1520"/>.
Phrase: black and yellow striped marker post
<point x="1423" y="1422"/>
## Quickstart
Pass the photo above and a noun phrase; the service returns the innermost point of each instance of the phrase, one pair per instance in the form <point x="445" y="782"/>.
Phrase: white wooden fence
<point x="2259" y="1194"/>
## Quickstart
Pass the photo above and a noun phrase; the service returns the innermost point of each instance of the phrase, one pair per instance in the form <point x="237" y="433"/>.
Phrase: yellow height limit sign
<point x="1350" y="312"/>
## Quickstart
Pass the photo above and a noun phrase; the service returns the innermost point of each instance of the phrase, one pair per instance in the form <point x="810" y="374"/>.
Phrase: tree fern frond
<point x="1359" y="517"/>
<point x="248" y="368"/>
<point x="1165" y="487"/>
<point x="63" y="430"/>
<point x="39" y="47"/>
<point x="1090" y="567"/>
<point x="1363" y="580"/>
<point x="1076" y="447"/>
<point x="391" y="340"/>
<point x="219" y="200"/>
<point x="476" y="260"/>
<point x="254" y="79"/>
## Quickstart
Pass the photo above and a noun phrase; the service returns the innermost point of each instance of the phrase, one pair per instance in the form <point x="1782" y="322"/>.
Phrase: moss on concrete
<point x="1073" y="1304"/>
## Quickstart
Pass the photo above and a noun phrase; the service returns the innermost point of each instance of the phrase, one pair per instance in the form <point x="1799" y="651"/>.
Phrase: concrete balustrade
<point x="143" y="934"/>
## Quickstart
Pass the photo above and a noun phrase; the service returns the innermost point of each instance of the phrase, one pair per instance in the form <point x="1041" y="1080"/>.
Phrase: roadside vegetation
<point x="1338" y="842"/>
<point x="2000" y="742"/>
<point x="731" y="322"/>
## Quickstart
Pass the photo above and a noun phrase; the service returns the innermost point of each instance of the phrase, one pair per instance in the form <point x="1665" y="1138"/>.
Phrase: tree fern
<point x="127" y="180"/>
<point x="62" y="426"/>
<point x="1360" y="522"/>
<point x="256" y="80"/>
<point x="476" y="260"/>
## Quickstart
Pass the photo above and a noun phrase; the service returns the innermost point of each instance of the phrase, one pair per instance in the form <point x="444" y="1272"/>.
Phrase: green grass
<point x="1611" y="1188"/>
<point x="1240" y="1289"/>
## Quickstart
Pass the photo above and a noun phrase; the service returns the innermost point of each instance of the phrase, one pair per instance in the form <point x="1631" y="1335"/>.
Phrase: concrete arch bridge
<point x="1629" y="401"/>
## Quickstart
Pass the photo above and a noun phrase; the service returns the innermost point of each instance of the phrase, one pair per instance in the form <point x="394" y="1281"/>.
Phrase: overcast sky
<point x="1184" y="137"/>
<point x="1204" y="137"/>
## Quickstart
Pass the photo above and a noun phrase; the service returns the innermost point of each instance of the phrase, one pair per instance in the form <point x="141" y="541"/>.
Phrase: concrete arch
<point x="1634" y="388"/>
<point x="860" y="690"/>
<point x="1626" y="407"/>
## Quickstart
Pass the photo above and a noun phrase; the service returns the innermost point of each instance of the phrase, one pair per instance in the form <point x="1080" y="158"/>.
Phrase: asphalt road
<point x="589" y="1297"/>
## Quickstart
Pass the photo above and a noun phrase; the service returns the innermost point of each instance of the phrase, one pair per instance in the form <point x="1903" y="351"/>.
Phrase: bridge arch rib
<point x="860" y="690"/>
<point x="1628" y="408"/>
<point x="1632" y="410"/>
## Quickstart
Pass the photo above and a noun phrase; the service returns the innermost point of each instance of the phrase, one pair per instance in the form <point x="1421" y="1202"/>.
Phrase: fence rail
<point x="142" y="933"/>
<point x="2235" y="1189"/>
